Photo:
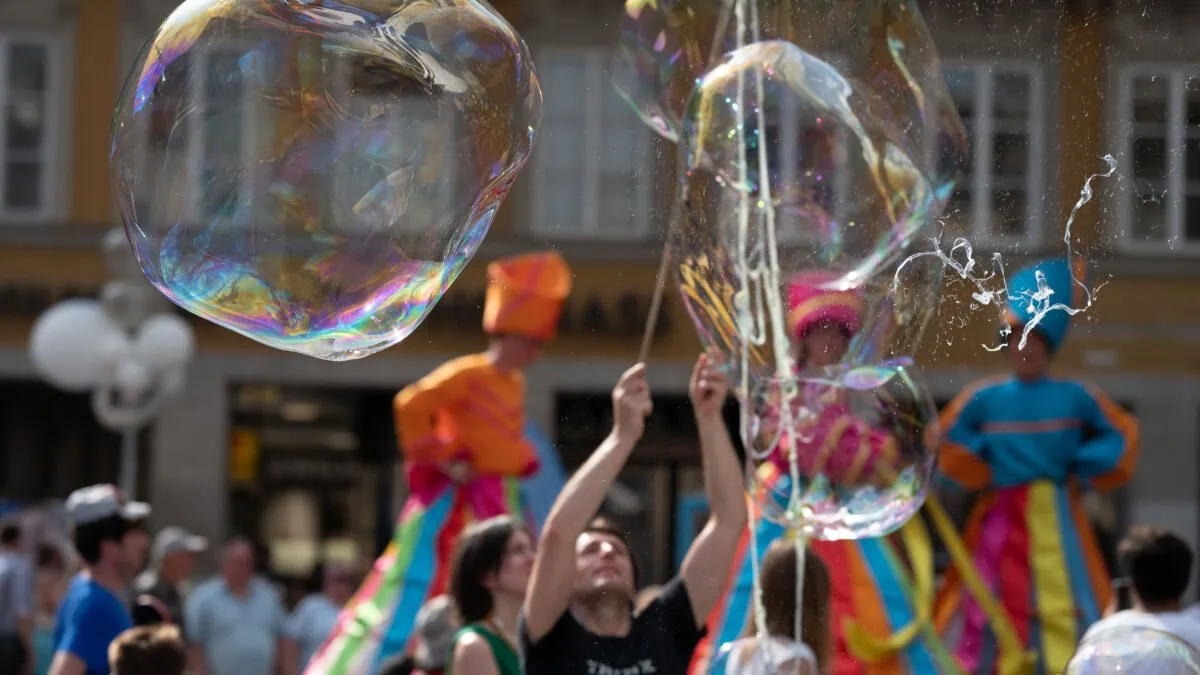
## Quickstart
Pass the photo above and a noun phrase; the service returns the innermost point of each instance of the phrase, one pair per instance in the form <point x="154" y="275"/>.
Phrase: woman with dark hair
<point x="488" y="578"/>
<point x="780" y="652"/>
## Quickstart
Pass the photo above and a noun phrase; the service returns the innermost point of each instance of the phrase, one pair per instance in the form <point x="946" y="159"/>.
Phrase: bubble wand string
<point x="660" y="281"/>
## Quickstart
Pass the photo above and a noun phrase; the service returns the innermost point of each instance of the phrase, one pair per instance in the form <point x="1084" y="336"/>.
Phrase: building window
<point x="219" y="148"/>
<point x="594" y="157"/>
<point x="815" y="158"/>
<point x="28" y="80"/>
<point x="216" y="147"/>
<point x="1160" y="111"/>
<point x="999" y="199"/>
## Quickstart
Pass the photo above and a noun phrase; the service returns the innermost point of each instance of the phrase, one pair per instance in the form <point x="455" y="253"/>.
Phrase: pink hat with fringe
<point x="810" y="304"/>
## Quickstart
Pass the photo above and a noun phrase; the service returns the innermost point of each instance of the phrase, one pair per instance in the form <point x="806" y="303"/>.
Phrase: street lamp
<point x="127" y="348"/>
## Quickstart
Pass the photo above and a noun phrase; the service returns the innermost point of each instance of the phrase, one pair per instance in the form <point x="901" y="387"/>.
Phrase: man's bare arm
<point x="554" y="568"/>
<point x="710" y="557"/>
<point x="66" y="663"/>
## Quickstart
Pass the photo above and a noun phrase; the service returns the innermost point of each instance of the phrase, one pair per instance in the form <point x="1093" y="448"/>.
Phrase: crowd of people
<point x="472" y="584"/>
<point x="568" y="600"/>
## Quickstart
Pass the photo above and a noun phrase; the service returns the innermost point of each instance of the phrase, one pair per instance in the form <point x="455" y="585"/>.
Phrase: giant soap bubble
<point x="315" y="175"/>
<point x="858" y="439"/>
<point x="790" y="168"/>
<point x="881" y="45"/>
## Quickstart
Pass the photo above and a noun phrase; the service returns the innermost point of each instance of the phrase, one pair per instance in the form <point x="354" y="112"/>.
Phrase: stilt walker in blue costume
<point x="1033" y="443"/>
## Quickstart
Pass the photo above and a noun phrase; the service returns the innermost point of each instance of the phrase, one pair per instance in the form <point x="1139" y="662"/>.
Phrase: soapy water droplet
<point x="314" y="176"/>
<point x="991" y="285"/>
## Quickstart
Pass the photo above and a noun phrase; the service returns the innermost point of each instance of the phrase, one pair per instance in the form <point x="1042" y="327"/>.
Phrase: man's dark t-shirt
<point x="660" y="641"/>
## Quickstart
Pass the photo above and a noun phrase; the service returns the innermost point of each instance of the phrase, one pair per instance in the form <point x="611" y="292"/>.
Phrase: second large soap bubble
<point x="315" y="175"/>
<point x="788" y="169"/>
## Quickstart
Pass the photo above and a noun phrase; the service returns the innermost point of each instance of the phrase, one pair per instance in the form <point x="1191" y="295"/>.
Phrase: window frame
<point x="251" y="123"/>
<point x="787" y="229"/>
<point x="982" y="177"/>
<point x="1175" y="242"/>
<point x="195" y="200"/>
<point x="589" y="228"/>
<point x="51" y="205"/>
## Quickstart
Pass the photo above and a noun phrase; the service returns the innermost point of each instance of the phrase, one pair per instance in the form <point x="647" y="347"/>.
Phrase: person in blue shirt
<point x="92" y="613"/>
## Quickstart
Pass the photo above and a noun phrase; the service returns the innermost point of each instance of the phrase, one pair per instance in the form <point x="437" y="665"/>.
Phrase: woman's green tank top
<point x="507" y="661"/>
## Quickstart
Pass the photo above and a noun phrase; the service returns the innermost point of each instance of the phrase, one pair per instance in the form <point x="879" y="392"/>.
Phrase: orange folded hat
<point x="525" y="295"/>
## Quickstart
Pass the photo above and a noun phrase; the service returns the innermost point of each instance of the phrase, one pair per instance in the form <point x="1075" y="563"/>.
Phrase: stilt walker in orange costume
<point x="462" y="432"/>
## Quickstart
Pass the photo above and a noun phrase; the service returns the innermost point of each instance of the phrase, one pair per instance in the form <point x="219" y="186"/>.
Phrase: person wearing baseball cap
<point x="172" y="559"/>
<point x="92" y="613"/>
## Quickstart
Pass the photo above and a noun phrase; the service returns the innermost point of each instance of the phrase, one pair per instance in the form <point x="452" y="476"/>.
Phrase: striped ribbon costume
<point x="468" y="410"/>
<point x="1033" y="447"/>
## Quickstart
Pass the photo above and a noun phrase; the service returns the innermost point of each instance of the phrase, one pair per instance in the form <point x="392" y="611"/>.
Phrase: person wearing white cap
<point x="92" y="612"/>
<point x="172" y="559"/>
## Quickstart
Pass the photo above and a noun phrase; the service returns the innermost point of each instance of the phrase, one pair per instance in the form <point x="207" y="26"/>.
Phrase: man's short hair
<point x="10" y="534"/>
<point x="148" y="650"/>
<point x="1158" y="561"/>
<point x="90" y="537"/>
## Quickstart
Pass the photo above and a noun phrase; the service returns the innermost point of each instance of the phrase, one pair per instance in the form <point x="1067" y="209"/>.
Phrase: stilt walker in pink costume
<point x="875" y="597"/>
<point x="882" y="597"/>
<point x="462" y="431"/>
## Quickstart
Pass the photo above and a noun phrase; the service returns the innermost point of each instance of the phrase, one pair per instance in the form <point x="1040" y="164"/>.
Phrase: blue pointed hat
<point x="1060" y="277"/>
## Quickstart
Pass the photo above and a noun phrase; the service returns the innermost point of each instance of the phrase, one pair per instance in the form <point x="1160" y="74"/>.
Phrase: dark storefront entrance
<point x="312" y="476"/>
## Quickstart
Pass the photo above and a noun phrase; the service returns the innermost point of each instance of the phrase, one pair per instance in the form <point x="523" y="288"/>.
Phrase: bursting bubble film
<point x="883" y="46"/>
<point x="848" y="449"/>
<point x="314" y="176"/>
<point x="1131" y="649"/>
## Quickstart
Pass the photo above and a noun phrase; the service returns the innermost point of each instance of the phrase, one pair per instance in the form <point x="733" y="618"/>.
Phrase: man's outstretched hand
<point x="631" y="404"/>
<point x="707" y="388"/>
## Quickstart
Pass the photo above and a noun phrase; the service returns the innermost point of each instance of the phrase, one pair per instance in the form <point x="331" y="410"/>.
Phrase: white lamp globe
<point x="63" y="344"/>
<point x="165" y="342"/>
<point x="132" y="378"/>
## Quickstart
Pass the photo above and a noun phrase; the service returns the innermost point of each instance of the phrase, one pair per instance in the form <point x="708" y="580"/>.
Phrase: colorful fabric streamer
<point x="877" y="629"/>
<point x="377" y="623"/>
<point x="1032" y="447"/>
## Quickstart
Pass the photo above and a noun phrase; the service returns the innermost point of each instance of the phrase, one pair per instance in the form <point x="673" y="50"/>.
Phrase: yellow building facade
<point x="1082" y="72"/>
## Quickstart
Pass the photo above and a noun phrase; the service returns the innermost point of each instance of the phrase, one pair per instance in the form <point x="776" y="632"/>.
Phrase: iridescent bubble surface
<point x="883" y="46"/>
<point x="315" y="175"/>
<point x="789" y="168"/>
<point x="854" y="443"/>
<point x="1126" y="649"/>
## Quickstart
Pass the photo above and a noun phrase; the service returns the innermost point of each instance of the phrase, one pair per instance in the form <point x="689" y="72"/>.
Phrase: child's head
<point x="822" y="320"/>
<point x="148" y="650"/>
<point x="779" y="598"/>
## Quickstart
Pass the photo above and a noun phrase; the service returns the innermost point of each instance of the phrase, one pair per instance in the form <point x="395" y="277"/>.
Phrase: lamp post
<point x="127" y="348"/>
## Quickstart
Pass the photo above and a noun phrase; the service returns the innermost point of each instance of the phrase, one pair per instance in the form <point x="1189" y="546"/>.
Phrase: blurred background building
<point x="300" y="454"/>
